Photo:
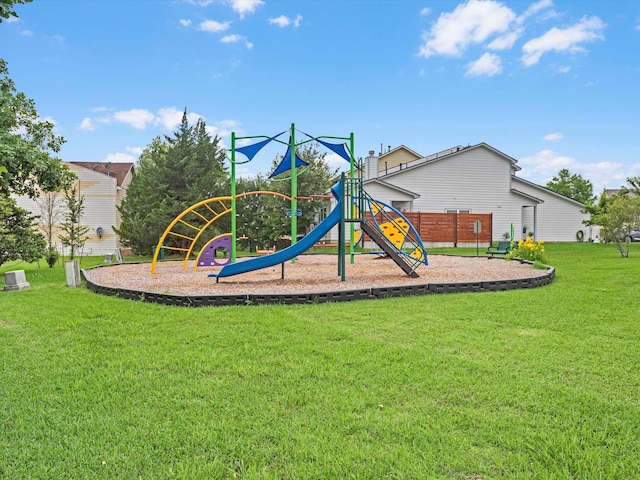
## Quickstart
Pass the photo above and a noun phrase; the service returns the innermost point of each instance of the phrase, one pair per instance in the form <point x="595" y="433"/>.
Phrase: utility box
<point x="72" y="269"/>
<point x="15" y="280"/>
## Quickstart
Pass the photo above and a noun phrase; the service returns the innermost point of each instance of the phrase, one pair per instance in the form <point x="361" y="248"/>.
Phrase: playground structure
<point x="383" y="224"/>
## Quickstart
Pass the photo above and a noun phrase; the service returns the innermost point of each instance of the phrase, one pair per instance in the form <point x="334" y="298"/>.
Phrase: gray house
<point x="473" y="179"/>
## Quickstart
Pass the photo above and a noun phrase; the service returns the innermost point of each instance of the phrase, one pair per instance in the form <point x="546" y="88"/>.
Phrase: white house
<point x="103" y="186"/>
<point x="472" y="179"/>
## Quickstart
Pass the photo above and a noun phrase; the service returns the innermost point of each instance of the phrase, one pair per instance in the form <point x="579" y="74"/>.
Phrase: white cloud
<point x="335" y="161"/>
<point x="171" y="117"/>
<point x="507" y="40"/>
<point x="185" y="22"/>
<point x="223" y="130"/>
<point x="544" y="165"/>
<point x="202" y="3"/>
<point x="134" y="150"/>
<point x="425" y="11"/>
<point x="554" y="137"/>
<point x="120" y="158"/>
<point x="12" y="19"/>
<point x="470" y="23"/>
<point x="138" y="118"/>
<point x="235" y="38"/>
<point x="242" y="7"/>
<point x="26" y="33"/>
<point x="283" y="21"/>
<point x="564" y="69"/>
<point x="213" y="26"/>
<point x="547" y="163"/>
<point x="568" y="39"/>
<point x="228" y="123"/>
<point x="487" y="65"/>
<point x="537" y="7"/>
<point x="49" y="119"/>
<point x="86" y="124"/>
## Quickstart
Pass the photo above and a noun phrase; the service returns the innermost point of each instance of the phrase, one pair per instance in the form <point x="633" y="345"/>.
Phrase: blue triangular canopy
<point x="250" y="150"/>
<point x="337" y="148"/>
<point x="285" y="163"/>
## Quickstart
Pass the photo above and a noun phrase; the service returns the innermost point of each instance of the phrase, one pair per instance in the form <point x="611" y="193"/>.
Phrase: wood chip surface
<point x="308" y="274"/>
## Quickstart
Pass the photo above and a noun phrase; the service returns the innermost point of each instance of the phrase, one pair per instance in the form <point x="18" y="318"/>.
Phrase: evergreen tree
<point x="573" y="186"/>
<point x="18" y="239"/>
<point x="173" y="174"/>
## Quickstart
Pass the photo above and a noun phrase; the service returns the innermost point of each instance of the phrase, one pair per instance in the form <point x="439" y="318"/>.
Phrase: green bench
<point x="501" y="249"/>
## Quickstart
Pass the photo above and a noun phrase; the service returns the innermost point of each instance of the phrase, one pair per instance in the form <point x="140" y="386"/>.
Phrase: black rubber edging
<point x="324" y="297"/>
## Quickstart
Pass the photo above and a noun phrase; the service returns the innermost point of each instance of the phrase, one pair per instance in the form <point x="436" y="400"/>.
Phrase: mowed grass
<point x="541" y="383"/>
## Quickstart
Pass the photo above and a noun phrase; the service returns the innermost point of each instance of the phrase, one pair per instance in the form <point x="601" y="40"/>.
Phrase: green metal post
<point x="352" y="234"/>
<point x="233" y="197"/>
<point x="341" y="233"/>
<point x="294" y="187"/>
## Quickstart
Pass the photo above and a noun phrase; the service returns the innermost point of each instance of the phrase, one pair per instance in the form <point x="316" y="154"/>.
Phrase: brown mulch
<point x="308" y="274"/>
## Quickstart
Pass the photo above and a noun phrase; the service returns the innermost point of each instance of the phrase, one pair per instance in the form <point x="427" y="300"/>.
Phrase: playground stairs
<point x="407" y="266"/>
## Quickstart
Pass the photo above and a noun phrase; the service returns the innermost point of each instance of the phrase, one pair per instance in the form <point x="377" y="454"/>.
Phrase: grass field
<point x="541" y="383"/>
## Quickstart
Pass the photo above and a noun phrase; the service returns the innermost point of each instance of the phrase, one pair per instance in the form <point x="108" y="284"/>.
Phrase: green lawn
<point x="541" y="383"/>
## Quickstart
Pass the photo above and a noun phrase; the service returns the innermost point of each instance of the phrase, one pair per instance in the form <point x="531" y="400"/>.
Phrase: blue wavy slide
<point x="304" y="244"/>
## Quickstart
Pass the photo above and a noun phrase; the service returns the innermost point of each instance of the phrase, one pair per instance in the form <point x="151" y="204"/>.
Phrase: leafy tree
<point x="254" y="212"/>
<point x="572" y="186"/>
<point x="634" y="184"/>
<point x="26" y="145"/>
<point x="75" y="234"/>
<point x="27" y="164"/>
<point x="50" y="216"/>
<point x="173" y="174"/>
<point x="18" y="239"/>
<point x="6" y="8"/>
<point x="617" y="217"/>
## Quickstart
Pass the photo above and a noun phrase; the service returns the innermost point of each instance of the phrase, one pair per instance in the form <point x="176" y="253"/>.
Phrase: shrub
<point x="528" y="249"/>
<point x="51" y="257"/>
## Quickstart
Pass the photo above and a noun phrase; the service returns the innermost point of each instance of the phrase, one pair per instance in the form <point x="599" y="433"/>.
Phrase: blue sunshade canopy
<point x="250" y="151"/>
<point x="285" y="164"/>
<point x="337" y="148"/>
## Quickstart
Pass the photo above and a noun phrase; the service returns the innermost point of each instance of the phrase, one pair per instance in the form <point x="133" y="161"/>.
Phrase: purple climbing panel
<point x="207" y="257"/>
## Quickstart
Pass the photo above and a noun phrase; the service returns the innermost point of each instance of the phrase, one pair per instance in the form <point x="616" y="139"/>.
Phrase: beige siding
<point x="395" y="158"/>
<point x="559" y="218"/>
<point x="99" y="193"/>
<point x="475" y="179"/>
<point x="479" y="179"/>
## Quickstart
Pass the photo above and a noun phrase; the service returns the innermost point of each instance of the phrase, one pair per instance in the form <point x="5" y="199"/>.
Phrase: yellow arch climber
<point x="196" y="219"/>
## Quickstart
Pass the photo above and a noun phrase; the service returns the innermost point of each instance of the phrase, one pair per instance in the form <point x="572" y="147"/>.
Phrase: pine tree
<point x="174" y="173"/>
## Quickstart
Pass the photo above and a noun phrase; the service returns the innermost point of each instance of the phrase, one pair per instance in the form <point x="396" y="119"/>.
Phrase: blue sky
<point x="552" y="83"/>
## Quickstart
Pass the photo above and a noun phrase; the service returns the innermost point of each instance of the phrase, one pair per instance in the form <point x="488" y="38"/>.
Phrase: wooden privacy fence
<point x="452" y="228"/>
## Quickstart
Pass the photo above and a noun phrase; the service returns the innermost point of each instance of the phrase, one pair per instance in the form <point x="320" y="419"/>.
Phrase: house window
<point x="452" y="210"/>
<point x="401" y="206"/>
